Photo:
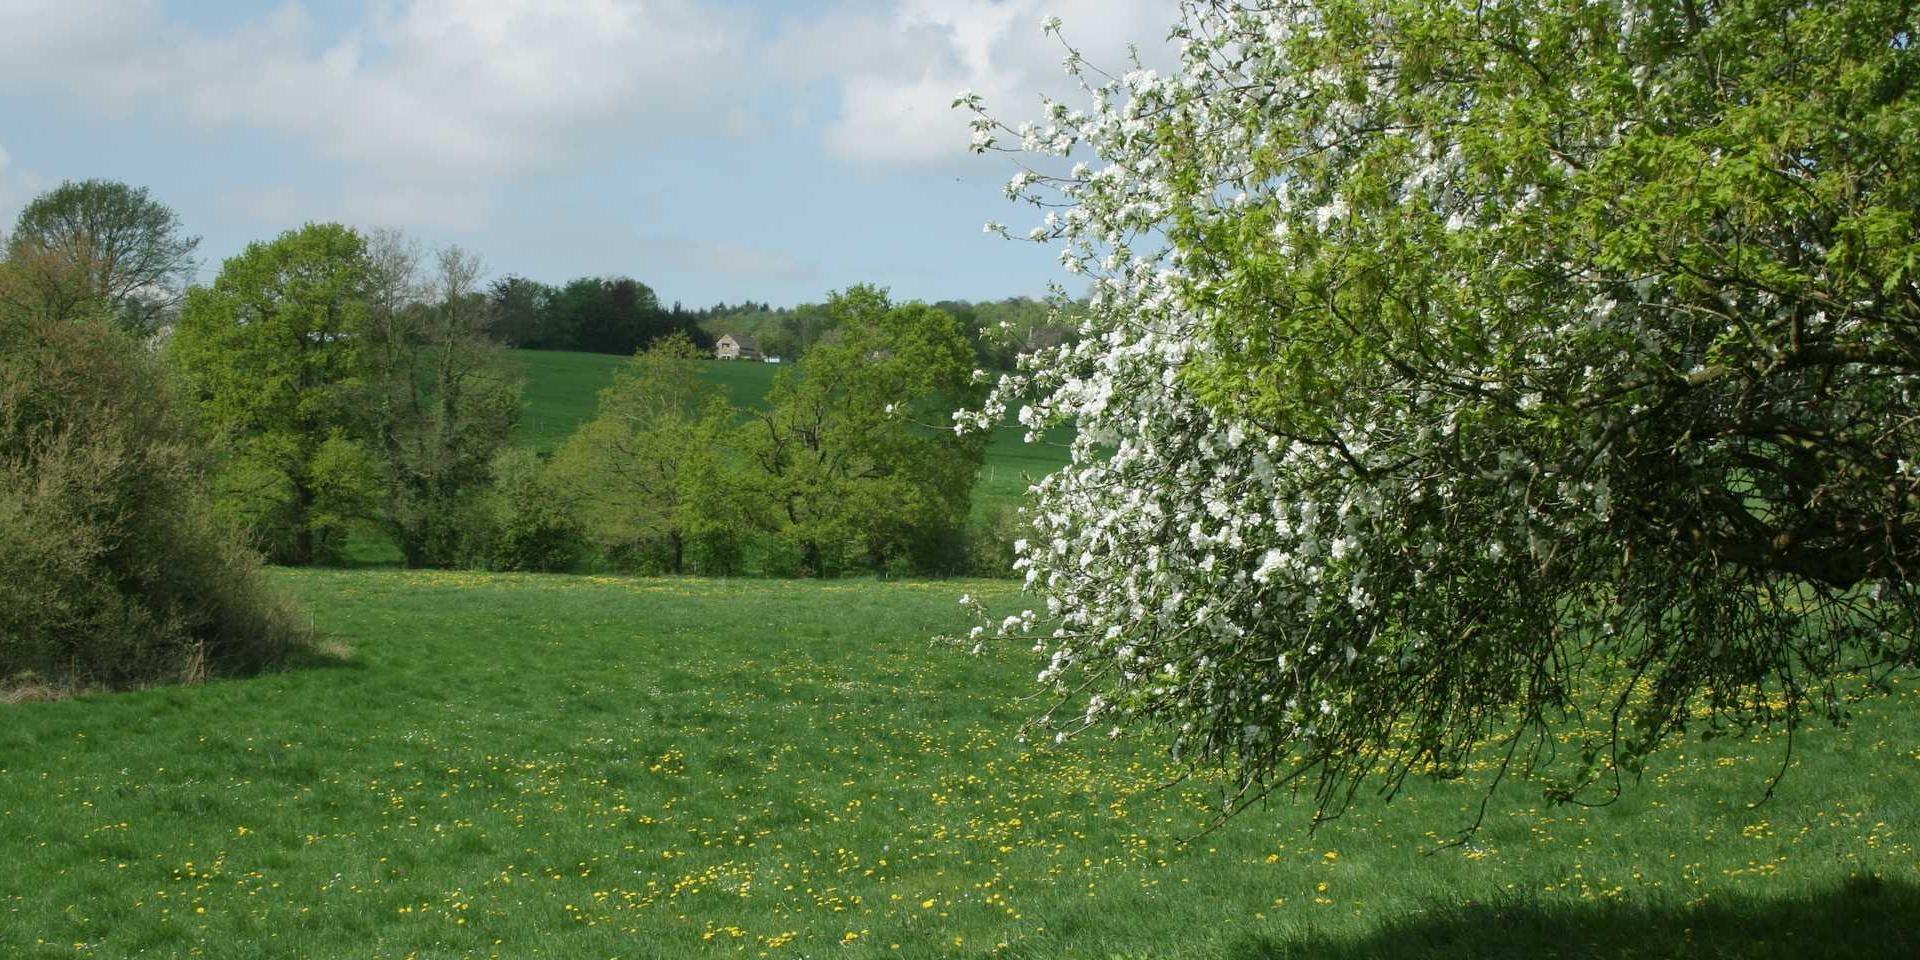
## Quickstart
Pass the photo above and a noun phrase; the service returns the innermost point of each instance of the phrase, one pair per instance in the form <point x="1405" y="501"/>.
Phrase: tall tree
<point x="443" y="398"/>
<point x="643" y="472"/>
<point x="274" y="353"/>
<point x="102" y="245"/>
<point x="1541" y="374"/>
<point x="853" y="456"/>
<point x="520" y="309"/>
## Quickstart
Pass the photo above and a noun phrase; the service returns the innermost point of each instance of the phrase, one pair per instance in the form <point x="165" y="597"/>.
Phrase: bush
<point x="530" y="529"/>
<point x="113" y="568"/>
<point x="990" y="543"/>
<point x="718" y="549"/>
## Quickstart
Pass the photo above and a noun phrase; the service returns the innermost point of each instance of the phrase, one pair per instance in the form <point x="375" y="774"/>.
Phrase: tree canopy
<point x="1465" y="378"/>
<point x="103" y="245"/>
<point x="273" y="355"/>
<point x="618" y="315"/>
<point x="847" y="460"/>
<point x="441" y="399"/>
<point x="647" y="474"/>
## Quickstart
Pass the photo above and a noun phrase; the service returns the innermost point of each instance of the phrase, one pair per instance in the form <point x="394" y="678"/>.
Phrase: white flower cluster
<point x="1198" y="571"/>
<point x="1392" y="420"/>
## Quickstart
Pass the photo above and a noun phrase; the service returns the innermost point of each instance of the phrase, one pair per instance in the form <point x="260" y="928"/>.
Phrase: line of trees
<point x="1000" y="331"/>
<point x="353" y="382"/>
<point x="616" y="315"/>
<point x="619" y="315"/>
<point x="331" y="383"/>
<point x="344" y="387"/>
<point x="846" y="469"/>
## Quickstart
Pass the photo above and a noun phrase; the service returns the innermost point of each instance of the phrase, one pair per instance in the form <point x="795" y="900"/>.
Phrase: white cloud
<point x="421" y="91"/>
<point x="896" y="68"/>
<point x="424" y="90"/>
<point x="425" y="113"/>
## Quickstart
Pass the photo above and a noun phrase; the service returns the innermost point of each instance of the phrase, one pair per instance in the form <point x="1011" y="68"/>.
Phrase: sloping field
<point x="520" y="766"/>
<point x="563" y="389"/>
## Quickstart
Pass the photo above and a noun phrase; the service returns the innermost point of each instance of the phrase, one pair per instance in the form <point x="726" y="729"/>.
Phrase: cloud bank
<point x="487" y="119"/>
<point x="897" y="66"/>
<point x="453" y="90"/>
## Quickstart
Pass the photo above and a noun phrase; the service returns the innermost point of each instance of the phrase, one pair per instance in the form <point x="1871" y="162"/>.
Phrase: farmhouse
<point x="735" y="346"/>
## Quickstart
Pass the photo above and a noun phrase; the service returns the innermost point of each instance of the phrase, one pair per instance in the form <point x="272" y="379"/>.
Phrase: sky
<point x="714" y="149"/>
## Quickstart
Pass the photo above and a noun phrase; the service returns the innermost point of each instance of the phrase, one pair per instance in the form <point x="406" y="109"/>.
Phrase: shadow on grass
<point x="322" y="654"/>
<point x="1862" y="917"/>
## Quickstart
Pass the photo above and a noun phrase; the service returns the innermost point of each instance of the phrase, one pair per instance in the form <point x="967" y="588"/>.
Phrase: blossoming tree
<point x="1517" y="382"/>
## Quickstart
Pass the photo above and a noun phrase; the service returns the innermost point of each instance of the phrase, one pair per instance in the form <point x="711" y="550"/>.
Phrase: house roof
<point x="741" y="340"/>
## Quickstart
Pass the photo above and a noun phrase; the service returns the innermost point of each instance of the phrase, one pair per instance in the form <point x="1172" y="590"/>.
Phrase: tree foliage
<point x="1469" y="378"/>
<point x="113" y="567"/>
<point x="274" y="354"/>
<point x="101" y="246"/>
<point x="999" y="330"/>
<point x="530" y="527"/>
<point x="519" y="310"/>
<point x="1003" y="330"/>
<point x="845" y="457"/>
<point x="650" y="475"/>
<point x="617" y="315"/>
<point x="441" y="398"/>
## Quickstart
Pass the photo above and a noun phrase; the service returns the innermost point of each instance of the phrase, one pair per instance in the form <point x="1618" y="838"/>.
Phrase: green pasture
<point x="493" y="765"/>
<point x="563" y="390"/>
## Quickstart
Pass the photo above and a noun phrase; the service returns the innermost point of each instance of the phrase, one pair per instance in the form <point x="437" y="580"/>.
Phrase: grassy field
<point x="562" y="392"/>
<point x="519" y="766"/>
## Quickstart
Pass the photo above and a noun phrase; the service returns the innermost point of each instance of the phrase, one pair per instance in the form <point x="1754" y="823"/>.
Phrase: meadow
<point x="496" y="765"/>
<point x="562" y="392"/>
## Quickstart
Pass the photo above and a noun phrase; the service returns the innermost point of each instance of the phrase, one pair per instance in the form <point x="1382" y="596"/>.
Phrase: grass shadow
<point x="322" y="654"/>
<point x="1859" y="918"/>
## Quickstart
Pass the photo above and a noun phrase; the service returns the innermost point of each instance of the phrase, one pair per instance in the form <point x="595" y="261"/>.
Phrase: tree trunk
<point x="303" y="498"/>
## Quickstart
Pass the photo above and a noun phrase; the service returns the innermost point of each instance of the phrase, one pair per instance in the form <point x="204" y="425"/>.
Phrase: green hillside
<point x="563" y="388"/>
<point x="561" y="393"/>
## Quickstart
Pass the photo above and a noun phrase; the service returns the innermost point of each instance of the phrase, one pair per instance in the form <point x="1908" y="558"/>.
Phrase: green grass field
<point x="584" y="767"/>
<point x="562" y="392"/>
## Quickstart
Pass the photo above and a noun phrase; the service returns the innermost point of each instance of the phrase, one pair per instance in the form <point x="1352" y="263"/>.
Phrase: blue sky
<point x="716" y="149"/>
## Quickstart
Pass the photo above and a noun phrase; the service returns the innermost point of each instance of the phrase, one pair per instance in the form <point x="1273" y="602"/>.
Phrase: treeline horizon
<point x="618" y="314"/>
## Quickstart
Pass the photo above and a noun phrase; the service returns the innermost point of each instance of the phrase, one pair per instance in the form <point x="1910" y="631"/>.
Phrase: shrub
<point x="113" y="568"/>
<point x="347" y="488"/>
<point x="990" y="543"/>
<point x="530" y="528"/>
